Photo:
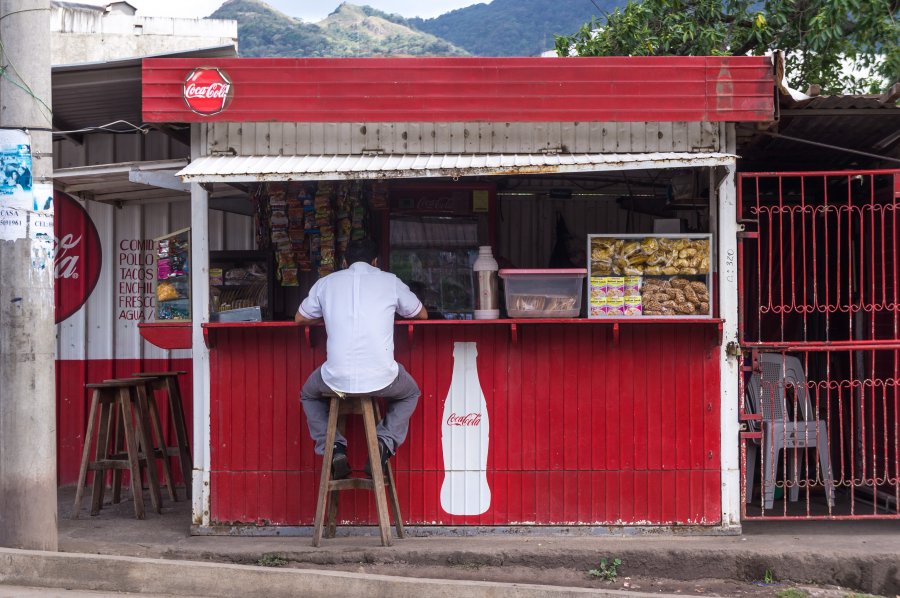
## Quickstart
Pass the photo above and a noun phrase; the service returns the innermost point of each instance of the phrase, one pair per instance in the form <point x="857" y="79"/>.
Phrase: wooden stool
<point x="142" y="393"/>
<point x="109" y="398"/>
<point x="341" y="406"/>
<point x="168" y="382"/>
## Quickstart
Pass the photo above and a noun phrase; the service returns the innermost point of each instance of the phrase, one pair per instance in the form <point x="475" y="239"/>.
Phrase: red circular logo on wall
<point x="207" y="91"/>
<point x="78" y="255"/>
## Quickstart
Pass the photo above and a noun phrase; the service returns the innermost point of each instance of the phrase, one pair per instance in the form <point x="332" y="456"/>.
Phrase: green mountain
<point x="364" y="31"/>
<point x="263" y="31"/>
<point x="349" y="31"/>
<point x="513" y="27"/>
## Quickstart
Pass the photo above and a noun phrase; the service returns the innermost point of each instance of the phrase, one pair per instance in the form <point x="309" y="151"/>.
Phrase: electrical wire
<point x="131" y="128"/>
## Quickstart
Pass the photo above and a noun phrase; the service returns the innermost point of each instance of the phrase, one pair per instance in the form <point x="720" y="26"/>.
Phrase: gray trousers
<point x="401" y="395"/>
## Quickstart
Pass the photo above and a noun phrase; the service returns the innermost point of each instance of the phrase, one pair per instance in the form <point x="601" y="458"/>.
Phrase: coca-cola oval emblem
<point x="207" y="90"/>
<point x="78" y="258"/>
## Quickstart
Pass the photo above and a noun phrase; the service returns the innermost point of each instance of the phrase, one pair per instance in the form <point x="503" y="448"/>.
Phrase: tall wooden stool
<point x="143" y="395"/>
<point x="110" y="398"/>
<point x="341" y="406"/>
<point x="168" y="383"/>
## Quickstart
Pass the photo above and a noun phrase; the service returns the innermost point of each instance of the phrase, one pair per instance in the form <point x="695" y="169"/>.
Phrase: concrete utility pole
<point x="27" y="329"/>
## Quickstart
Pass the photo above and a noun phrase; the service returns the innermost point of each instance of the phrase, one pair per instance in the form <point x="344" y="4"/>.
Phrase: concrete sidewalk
<point x="861" y="555"/>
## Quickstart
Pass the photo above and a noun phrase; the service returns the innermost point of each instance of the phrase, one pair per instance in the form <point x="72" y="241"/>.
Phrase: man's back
<point x="358" y="305"/>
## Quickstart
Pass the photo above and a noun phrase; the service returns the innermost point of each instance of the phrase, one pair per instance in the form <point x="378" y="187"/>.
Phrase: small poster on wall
<point x="16" y="184"/>
<point x="15" y="171"/>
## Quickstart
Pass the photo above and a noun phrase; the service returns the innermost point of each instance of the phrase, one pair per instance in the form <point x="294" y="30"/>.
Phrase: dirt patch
<point x="567" y="577"/>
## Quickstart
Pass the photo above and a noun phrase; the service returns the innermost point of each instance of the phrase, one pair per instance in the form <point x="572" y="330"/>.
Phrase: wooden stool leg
<point x="176" y="409"/>
<point x="326" y="470"/>
<point x="395" y="503"/>
<point x="86" y="452"/>
<point x="153" y="410"/>
<point x="334" y="499"/>
<point x="137" y="492"/>
<point x="392" y="490"/>
<point x="106" y="409"/>
<point x="145" y="440"/>
<point x="384" y="522"/>
<point x="118" y="447"/>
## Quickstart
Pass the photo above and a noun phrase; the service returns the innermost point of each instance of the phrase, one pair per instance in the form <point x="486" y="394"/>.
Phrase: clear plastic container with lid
<point x="543" y="293"/>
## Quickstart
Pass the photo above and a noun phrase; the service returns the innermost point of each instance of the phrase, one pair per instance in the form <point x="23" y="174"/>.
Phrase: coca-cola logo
<point x="468" y="419"/>
<point x="78" y="256"/>
<point x="207" y="91"/>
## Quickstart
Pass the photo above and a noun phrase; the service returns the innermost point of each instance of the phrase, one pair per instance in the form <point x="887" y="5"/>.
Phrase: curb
<point x="186" y="578"/>
<point x="876" y="574"/>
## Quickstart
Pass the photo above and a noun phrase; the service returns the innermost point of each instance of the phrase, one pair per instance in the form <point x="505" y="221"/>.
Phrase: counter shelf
<point x="513" y="324"/>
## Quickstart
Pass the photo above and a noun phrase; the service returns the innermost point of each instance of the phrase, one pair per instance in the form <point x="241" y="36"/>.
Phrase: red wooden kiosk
<point x="593" y="422"/>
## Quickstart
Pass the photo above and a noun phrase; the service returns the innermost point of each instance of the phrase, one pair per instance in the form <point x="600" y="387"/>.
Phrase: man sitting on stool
<point x="358" y="305"/>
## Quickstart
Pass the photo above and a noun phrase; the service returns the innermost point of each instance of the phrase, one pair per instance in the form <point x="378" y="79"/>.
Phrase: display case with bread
<point x="655" y="275"/>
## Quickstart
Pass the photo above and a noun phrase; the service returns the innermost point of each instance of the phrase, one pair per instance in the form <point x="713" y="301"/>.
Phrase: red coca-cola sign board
<point x="207" y="91"/>
<point x="79" y="256"/>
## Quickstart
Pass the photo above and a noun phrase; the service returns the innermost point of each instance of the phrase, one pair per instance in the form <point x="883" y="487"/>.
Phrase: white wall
<point x="83" y="35"/>
<point x="102" y="328"/>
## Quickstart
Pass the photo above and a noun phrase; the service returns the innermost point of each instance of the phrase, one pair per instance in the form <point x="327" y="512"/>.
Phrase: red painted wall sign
<point x="135" y="269"/>
<point x="435" y="90"/>
<point x="207" y="91"/>
<point x="78" y="255"/>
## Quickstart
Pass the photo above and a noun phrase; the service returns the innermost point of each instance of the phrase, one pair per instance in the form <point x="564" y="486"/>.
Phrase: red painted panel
<point x="167" y="335"/>
<point x="621" y="89"/>
<point x="565" y="446"/>
<point x="73" y="404"/>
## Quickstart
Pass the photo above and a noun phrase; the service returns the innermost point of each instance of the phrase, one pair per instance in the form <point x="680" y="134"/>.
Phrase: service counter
<point x="591" y="422"/>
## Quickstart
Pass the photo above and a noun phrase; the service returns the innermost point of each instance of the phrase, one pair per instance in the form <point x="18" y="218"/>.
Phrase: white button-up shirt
<point x="358" y="305"/>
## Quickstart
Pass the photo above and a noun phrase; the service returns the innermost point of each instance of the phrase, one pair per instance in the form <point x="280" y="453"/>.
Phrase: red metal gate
<point x="819" y="295"/>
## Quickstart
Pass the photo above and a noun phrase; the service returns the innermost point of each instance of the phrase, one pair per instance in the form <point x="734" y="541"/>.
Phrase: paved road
<point x="23" y="592"/>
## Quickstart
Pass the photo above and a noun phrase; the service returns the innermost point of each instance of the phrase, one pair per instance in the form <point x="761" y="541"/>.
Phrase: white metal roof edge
<point x="119" y="168"/>
<point x="243" y="169"/>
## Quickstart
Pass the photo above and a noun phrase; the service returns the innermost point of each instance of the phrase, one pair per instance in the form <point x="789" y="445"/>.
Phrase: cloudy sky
<point x="308" y="10"/>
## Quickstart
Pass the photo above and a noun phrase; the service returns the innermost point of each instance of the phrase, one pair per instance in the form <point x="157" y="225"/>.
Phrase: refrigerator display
<point x="434" y="257"/>
<point x="173" y="276"/>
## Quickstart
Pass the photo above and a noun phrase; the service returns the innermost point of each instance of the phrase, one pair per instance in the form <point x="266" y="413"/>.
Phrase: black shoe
<point x="385" y="455"/>
<point x="340" y="465"/>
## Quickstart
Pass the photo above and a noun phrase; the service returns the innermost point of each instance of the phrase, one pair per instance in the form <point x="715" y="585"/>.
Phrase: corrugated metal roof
<point x="211" y="169"/>
<point x="843" y="103"/>
<point x="861" y="123"/>
<point x="96" y="93"/>
<point x="112" y="182"/>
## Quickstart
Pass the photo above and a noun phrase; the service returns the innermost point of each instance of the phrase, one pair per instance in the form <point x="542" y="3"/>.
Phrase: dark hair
<point x="363" y="250"/>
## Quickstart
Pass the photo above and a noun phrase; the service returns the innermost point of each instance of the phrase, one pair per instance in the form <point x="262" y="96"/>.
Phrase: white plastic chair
<point x="766" y="395"/>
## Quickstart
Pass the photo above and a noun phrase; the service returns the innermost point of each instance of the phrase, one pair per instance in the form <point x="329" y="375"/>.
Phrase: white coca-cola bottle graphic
<point x="464" y="438"/>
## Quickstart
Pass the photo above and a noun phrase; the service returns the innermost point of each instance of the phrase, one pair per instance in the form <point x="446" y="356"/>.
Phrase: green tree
<point x="820" y="37"/>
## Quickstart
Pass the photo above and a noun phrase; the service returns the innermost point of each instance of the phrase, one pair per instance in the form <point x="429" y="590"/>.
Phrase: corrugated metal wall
<point x="97" y="331"/>
<point x="584" y="428"/>
<point x="471" y="89"/>
<point x="107" y="148"/>
<point x="101" y="340"/>
<point x="273" y="139"/>
<point x="527" y="225"/>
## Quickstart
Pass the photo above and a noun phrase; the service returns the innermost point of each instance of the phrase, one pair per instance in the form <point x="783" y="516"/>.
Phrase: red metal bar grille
<point x="820" y="329"/>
